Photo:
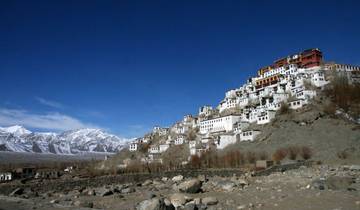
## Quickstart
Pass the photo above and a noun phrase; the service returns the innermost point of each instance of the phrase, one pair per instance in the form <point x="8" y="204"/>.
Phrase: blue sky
<point x="125" y="66"/>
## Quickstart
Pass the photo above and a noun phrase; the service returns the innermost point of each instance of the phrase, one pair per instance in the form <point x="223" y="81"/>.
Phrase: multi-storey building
<point x="220" y="124"/>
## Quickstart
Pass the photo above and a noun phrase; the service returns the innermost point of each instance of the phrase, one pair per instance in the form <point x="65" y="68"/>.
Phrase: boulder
<point x="209" y="201"/>
<point x="202" y="178"/>
<point x="242" y="182"/>
<point x="91" y="192"/>
<point x="177" y="199"/>
<point x="333" y="183"/>
<point x="177" y="178"/>
<point x="151" y="204"/>
<point x="54" y="201"/>
<point x="197" y="201"/>
<point x="226" y="185"/>
<point x="355" y="167"/>
<point x="339" y="183"/>
<point x="319" y="184"/>
<point x="17" y="191"/>
<point x="107" y="192"/>
<point x="190" y="206"/>
<point x="190" y="186"/>
<point x="147" y="182"/>
<point x="85" y="204"/>
<point x="127" y="190"/>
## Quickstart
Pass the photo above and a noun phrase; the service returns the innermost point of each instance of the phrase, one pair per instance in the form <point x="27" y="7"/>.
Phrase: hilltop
<point x="300" y="102"/>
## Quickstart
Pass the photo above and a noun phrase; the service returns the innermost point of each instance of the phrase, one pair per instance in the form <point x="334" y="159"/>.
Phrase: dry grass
<point x="279" y="154"/>
<point x="342" y="155"/>
<point x="293" y="152"/>
<point x="344" y="95"/>
<point x="306" y="153"/>
<point x="284" y="108"/>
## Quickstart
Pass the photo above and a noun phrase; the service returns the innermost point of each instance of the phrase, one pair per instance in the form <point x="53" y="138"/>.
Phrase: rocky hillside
<point x="18" y="139"/>
<point x="333" y="138"/>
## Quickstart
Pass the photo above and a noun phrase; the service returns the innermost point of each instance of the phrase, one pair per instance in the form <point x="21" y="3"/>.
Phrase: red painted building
<point x="306" y="59"/>
<point x="311" y="58"/>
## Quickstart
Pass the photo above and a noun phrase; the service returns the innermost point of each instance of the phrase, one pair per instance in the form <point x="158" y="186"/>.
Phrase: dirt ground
<point x="294" y="189"/>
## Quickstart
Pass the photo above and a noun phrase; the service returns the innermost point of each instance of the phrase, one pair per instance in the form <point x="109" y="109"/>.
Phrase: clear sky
<point x="125" y="66"/>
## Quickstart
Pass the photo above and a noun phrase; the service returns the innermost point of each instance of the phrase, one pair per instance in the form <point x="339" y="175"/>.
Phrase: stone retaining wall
<point x="282" y="168"/>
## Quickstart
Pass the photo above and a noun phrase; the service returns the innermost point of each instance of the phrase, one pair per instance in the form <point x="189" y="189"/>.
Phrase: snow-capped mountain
<point x="19" y="139"/>
<point x="16" y="130"/>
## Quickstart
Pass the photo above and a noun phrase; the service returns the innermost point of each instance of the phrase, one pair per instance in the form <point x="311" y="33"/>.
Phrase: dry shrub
<point x="195" y="161"/>
<point x="330" y="109"/>
<point x="306" y="153"/>
<point x="251" y="157"/>
<point x="345" y="95"/>
<point x="279" y="154"/>
<point x="284" y="108"/>
<point x="144" y="147"/>
<point x="342" y="155"/>
<point x="293" y="152"/>
<point x="263" y="155"/>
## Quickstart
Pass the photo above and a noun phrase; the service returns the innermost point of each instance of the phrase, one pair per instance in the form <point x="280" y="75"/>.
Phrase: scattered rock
<point x="197" y="201"/>
<point x="151" y="204"/>
<point x="241" y="207"/>
<point x="202" y="178"/>
<point x="333" y="183"/>
<point x="147" y="182"/>
<point x="319" y="184"/>
<point x="177" y="178"/>
<point x="190" y="206"/>
<point x="190" y="186"/>
<point x="91" y="192"/>
<point x="107" y="192"/>
<point x="17" y="191"/>
<point x="209" y="201"/>
<point x="226" y="185"/>
<point x="54" y="201"/>
<point x="355" y="167"/>
<point x="128" y="190"/>
<point x="85" y="204"/>
<point x="338" y="183"/>
<point x="177" y="199"/>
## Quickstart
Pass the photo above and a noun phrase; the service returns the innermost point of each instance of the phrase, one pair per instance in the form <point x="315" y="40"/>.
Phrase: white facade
<point x="5" y="176"/>
<point x="192" y="147"/>
<point x="265" y="117"/>
<point x="225" y="140"/>
<point x="228" y="103"/>
<point x="160" y="131"/>
<point x="133" y="147"/>
<point x="238" y="127"/>
<point x="154" y="149"/>
<point x="305" y="94"/>
<point x="219" y="124"/>
<point x="243" y="101"/>
<point x="163" y="147"/>
<point x="179" y="140"/>
<point x="205" y="111"/>
<point x="297" y="104"/>
<point x="318" y="79"/>
<point x="249" y="135"/>
<point x="351" y="72"/>
<point x="344" y="67"/>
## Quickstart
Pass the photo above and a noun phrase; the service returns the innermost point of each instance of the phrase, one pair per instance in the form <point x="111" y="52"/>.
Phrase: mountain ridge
<point x="17" y="138"/>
